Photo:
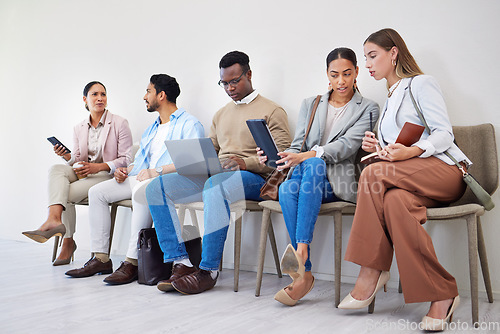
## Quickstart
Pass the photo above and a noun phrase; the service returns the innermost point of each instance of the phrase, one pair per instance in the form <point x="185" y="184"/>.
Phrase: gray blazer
<point x="343" y="142"/>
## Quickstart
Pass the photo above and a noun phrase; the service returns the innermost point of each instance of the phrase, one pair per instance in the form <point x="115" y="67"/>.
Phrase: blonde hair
<point x="406" y="66"/>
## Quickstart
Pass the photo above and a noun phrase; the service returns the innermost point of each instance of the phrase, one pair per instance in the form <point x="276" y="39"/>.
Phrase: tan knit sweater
<point x="231" y="136"/>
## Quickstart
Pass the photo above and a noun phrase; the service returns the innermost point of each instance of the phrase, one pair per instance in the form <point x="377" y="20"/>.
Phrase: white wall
<point x="50" y="49"/>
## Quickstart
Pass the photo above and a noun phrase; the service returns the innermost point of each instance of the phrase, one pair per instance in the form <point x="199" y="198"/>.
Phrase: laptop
<point x="194" y="157"/>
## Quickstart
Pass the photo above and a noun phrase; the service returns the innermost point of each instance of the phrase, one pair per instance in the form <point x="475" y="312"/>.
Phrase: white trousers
<point x="104" y="193"/>
<point x="66" y="189"/>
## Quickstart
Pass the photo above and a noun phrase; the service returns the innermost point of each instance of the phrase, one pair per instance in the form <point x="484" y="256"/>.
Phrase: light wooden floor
<point x="36" y="297"/>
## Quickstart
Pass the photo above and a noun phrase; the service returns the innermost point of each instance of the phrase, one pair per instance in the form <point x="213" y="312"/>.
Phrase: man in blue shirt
<point x="245" y="176"/>
<point x="152" y="159"/>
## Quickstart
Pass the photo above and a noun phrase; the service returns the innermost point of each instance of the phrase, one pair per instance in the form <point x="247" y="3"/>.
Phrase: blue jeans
<point x="300" y="199"/>
<point x="217" y="193"/>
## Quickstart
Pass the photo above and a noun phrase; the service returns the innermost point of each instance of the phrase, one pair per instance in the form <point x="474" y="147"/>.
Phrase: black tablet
<point x="264" y="140"/>
<point x="54" y="141"/>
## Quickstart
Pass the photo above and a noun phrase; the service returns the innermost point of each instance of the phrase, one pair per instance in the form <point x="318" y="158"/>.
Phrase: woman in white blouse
<point x="393" y="194"/>
<point x="102" y="143"/>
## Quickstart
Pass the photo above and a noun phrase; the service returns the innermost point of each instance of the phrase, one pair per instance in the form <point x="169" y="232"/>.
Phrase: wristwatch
<point x="159" y="170"/>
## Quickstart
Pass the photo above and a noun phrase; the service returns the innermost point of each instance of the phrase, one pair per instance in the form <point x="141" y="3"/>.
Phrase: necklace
<point x="392" y="91"/>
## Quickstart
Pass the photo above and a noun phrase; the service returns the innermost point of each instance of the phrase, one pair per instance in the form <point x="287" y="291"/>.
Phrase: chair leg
<point x="194" y="218"/>
<point x="266" y="221"/>
<point x="484" y="260"/>
<point x="272" y="240"/>
<point x="114" y="209"/>
<point x="181" y="214"/>
<point x="237" y="250"/>
<point x="473" y="251"/>
<point x="54" y="250"/>
<point x="337" y="226"/>
<point x="221" y="256"/>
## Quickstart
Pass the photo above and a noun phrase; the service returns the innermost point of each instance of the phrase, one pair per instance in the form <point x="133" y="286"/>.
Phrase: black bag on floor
<point x="152" y="269"/>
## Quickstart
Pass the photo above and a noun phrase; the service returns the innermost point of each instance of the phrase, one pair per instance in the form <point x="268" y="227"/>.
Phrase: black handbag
<point x="151" y="268"/>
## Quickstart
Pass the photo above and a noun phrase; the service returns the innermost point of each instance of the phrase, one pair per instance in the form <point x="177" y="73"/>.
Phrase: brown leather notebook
<point x="409" y="135"/>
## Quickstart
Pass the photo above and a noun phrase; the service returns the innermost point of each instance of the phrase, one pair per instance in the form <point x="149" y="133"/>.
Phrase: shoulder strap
<point x="311" y="119"/>
<point x="421" y="116"/>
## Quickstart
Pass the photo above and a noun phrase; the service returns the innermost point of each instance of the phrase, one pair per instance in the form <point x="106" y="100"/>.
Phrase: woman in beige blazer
<point x="324" y="170"/>
<point x="102" y="143"/>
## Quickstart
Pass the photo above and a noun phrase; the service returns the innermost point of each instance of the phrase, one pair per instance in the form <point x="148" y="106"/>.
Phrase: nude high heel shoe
<point x="351" y="303"/>
<point x="60" y="262"/>
<point x="284" y="298"/>
<point x="432" y="324"/>
<point x="43" y="236"/>
<point x="291" y="263"/>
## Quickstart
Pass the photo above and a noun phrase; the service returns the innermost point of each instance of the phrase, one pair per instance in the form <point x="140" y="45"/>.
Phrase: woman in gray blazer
<point x="324" y="171"/>
<point x="394" y="193"/>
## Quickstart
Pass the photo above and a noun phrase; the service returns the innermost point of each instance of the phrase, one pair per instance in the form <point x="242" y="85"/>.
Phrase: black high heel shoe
<point x="43" y="236"/>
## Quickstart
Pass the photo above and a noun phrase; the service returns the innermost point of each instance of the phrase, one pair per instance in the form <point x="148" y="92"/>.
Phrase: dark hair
<point x="387" y="38"/>
<point x="342" y="53"/>
<point x="235" y="57"/>
<point x="87" y="88"/>
<point x="166" y="83"/>
<point x="89" y="85"/>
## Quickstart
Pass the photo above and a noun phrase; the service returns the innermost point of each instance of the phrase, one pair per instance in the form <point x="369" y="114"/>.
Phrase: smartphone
<point x="54" y="141"/>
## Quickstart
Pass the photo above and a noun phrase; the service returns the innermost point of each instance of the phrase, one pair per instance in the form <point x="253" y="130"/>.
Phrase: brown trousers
<point x="391" y="208"/>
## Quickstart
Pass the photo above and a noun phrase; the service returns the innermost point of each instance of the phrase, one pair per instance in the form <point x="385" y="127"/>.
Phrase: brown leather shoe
<point x="179" y="270"/>
<point x="126" y="273"/>
<point x="197" y="282"/>
<point x="92" y="267"/>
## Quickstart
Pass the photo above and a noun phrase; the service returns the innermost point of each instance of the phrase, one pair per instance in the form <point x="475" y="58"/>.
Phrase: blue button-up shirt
<point x="182" y="126"/>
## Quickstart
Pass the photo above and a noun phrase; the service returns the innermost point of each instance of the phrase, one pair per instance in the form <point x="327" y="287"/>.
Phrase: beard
<point x="153" y="106"/>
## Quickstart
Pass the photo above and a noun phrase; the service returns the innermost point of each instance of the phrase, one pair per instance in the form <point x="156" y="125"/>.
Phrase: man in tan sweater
<point x="236" y="149"/>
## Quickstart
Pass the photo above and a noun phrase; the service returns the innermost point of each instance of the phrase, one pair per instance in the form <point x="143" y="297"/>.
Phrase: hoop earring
<point x="393" y="62"/>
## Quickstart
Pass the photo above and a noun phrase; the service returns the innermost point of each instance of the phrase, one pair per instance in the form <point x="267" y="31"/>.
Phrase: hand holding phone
<point x="58" y="146"/>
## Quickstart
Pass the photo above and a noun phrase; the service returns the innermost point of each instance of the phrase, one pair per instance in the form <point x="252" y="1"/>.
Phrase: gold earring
<point x="86" y="106"/>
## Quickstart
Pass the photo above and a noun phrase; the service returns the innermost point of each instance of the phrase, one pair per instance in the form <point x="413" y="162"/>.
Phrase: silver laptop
<point x="194" y="157"/>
